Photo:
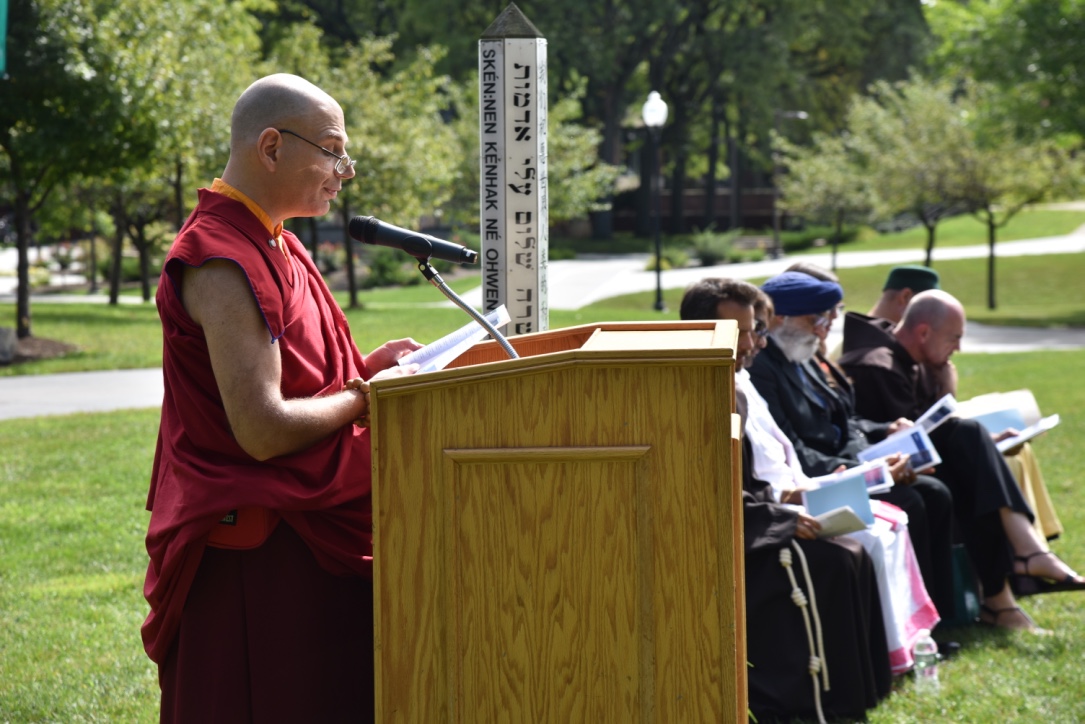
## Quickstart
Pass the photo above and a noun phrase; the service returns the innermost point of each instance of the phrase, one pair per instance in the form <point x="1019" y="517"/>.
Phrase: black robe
<point x="856" y="651"/>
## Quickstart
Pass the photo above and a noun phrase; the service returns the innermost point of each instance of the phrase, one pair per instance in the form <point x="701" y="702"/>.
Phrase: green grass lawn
<point x="72" y="493"/>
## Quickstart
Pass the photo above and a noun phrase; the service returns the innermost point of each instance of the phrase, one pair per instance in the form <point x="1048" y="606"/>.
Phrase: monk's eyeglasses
<point x="344" y="164"/>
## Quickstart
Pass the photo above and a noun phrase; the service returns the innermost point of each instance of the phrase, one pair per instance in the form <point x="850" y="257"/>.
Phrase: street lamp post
<point x="777" y="251"/>
<point x="654" y="113"/>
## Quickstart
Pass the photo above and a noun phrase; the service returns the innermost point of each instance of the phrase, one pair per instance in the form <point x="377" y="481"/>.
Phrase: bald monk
<point x="260" y="542"/>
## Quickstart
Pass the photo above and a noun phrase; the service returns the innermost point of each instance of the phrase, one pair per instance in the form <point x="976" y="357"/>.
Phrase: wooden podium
<point x="558" y="538"/>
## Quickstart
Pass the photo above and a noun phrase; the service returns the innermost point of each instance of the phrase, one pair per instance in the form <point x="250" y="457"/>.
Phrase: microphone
<point x="421" y="246"/>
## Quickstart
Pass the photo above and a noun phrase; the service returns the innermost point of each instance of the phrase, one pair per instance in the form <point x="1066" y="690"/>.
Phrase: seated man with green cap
<point x="903" y="283"/>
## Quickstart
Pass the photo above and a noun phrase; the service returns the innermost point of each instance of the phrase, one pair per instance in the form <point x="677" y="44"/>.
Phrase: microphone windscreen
<point x="362" y="228"/>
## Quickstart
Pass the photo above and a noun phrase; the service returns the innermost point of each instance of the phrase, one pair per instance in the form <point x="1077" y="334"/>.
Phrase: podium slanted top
<point x="511" y="23"/>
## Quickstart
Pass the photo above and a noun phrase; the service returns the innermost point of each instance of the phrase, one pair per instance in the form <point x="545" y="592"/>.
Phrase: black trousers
<point x="982" y="485"/>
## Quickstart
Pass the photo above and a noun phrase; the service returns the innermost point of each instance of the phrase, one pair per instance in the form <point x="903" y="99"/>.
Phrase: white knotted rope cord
<point x="817" y="663"/>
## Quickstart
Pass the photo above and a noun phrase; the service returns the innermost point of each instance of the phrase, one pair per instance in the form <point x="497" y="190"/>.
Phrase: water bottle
<point x="926" y="663"/>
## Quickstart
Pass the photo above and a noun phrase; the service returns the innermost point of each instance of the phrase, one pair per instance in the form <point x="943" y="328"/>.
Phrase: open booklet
<point x="841" y="501"/>
<point x="912" y="441"/>
<point x="839" y="521"/>
<point x="996" y="411"/>
<point x="1037" y="428"/>
<point x="938" y="413"/>
<point x="437" y="355"/>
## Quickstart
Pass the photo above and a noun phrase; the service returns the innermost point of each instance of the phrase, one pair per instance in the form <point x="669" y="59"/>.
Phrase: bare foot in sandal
<point x="1011" y="617"/>
<point x="1048" y="566"/>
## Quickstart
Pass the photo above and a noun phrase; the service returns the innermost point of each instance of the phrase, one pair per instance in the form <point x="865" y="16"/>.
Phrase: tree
<point x="578" y="181"/>
<point x="61" y="115"/>
<point x="168" y="59"/>
<point x="906" y="133"/>
<point x="999" y="173"/>
<point x="827" y="181"/>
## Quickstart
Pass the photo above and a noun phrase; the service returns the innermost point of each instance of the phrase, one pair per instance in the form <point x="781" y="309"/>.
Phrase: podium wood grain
<point x="555" y="536"/>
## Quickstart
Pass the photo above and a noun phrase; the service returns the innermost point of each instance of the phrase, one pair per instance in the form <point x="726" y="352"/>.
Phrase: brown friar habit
<point x="856" y="653"/>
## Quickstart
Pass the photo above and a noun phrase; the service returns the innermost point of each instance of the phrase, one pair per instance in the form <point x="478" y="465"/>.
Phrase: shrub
<point x="330" y="257"/>
<point x="807" y="236"/>
<point x="669" y="258"/>
<point x="711" y="248"/>
<point x="129" y="268"/>
<point x="388" y="268"/>
<point x="740" y="256"/>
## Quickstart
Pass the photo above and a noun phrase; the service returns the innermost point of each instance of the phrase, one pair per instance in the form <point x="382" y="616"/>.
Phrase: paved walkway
<point x="573" y="284"/>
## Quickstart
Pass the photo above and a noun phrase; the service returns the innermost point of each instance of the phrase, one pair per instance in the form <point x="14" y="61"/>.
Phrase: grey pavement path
<point x="70" y="392"/>
<point x="573" y="284"/>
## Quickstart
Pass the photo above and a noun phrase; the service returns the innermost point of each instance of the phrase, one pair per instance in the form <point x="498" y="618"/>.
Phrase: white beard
<point x="798" y="345"/>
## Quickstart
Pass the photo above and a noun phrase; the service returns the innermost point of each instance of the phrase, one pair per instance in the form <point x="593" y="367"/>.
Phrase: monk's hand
<point x="794" y="496"/>
<point x="360" y="385"/>
<point x="1006" y="435"/>
<point x="807" y="528"/>
<point x="389" y="353"/>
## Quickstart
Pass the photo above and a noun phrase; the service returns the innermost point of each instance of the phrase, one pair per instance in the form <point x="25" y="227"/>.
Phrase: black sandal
<point x="1028" y="584"/>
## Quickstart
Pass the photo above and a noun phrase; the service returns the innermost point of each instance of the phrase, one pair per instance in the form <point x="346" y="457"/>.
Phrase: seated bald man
<point x="889" y="366"/>
<point x="903" y="283"/>
<point x="260" y="536"/>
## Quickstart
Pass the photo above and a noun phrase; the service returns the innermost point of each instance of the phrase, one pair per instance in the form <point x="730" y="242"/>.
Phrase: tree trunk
<point x="734" y="215"/>
<point x="312" y="236"/>
<point x="92" y="256"/>
<point x="709" y="220"/>
<point x="179" y="193"/>
<point x="678" y="130"/>
<point x="838" y="233"/>
<point x="991" y="229"/>
<point x="144" y="249"/>
<point x="119" y="222"/>
<point x="930" y="242"/>
<point x="646" y="191"/>
<point x="676" y="223"/>
<point x="22" y="242"/>
<point x="611" y="144"/>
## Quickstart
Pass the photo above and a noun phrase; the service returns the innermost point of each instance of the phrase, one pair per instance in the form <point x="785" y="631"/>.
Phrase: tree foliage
<point x="828" y="182"/>
<point x="999" y="173"/>
<point x="63" y="114"/>
<point x="928" y="149"/>
<point x="906" y="133"/>
<point x="1030" y="50"/>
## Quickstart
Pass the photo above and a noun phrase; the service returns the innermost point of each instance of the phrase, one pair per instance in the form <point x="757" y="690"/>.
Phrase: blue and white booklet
<point x="848" y="490"/>
<point x="913" y="442"/>
<point x="938" y="413"/>
<point x="1024" y="435"/>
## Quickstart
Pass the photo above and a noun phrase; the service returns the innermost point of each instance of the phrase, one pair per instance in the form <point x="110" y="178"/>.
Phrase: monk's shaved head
<point x="276" y="101"/>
